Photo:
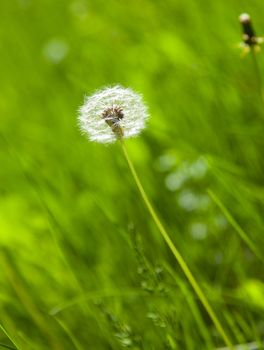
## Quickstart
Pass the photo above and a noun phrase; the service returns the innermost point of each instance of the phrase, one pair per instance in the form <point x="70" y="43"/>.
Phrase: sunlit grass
<point x="82" y="264"/>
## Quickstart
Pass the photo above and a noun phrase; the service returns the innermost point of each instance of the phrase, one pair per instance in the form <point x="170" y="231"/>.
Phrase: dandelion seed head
<point x="111" y="113"/>
<point x="244" y="18"/>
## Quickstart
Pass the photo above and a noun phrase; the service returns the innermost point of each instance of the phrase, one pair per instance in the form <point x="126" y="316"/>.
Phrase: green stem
<point x="176" y="253"/>
<point x="258" y="74"/>
<point x="243" y="235"/>
<point x="9" y="337"/>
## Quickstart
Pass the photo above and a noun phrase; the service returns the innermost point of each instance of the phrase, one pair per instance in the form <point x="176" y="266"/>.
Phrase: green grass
<point x="82" y="263"/>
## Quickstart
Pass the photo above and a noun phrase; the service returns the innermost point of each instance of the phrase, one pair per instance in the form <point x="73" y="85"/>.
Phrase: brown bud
<point x="249" y="36"/>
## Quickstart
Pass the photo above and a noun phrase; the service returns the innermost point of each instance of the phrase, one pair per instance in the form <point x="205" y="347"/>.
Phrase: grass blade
<point x="242" y="234"/>
<point x="10" y="338"/>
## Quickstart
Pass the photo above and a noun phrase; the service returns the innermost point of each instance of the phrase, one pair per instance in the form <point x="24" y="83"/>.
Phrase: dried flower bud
<point x="112" y="113"/>
<point x="250" y="40"/>
<point x="248" y="32"/>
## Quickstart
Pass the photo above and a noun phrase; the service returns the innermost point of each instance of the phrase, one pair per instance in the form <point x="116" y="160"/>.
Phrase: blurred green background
<point x="82" y="264"/>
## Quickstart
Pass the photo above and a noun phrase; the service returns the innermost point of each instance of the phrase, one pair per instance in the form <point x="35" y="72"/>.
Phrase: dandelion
<point x="117" y="113"/>
<point x="251" y="44"/>
<point x="113" y="113"/>
<point x="250" y="40"/>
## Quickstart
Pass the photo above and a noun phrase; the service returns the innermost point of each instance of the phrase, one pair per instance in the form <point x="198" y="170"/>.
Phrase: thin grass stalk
<point x="242" y="234"/>
<point x="258" y="75"/>
<point x="70" y="334"/>
<point x="17" y="347"/>
<point x="26" y="300"/>
<point x="193" y="307"/>
<point x="250" y="346"/>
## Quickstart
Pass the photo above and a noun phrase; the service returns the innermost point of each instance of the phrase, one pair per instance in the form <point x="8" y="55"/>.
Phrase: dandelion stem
<point x="258" y="74"/>
<point x="176" y="253"/>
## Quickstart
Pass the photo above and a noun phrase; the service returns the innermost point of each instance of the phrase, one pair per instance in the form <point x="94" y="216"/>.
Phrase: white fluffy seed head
<point x="244" y="18"/>
<point x="129" y="120"/>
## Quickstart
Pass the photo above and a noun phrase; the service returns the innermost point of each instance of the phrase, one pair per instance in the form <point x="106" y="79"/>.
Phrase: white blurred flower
<point x="112" y="113"/>
<point x="55" y="50"/>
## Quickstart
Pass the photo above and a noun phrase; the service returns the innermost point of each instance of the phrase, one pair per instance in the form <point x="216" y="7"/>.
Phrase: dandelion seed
<point x="112" y="113"/>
